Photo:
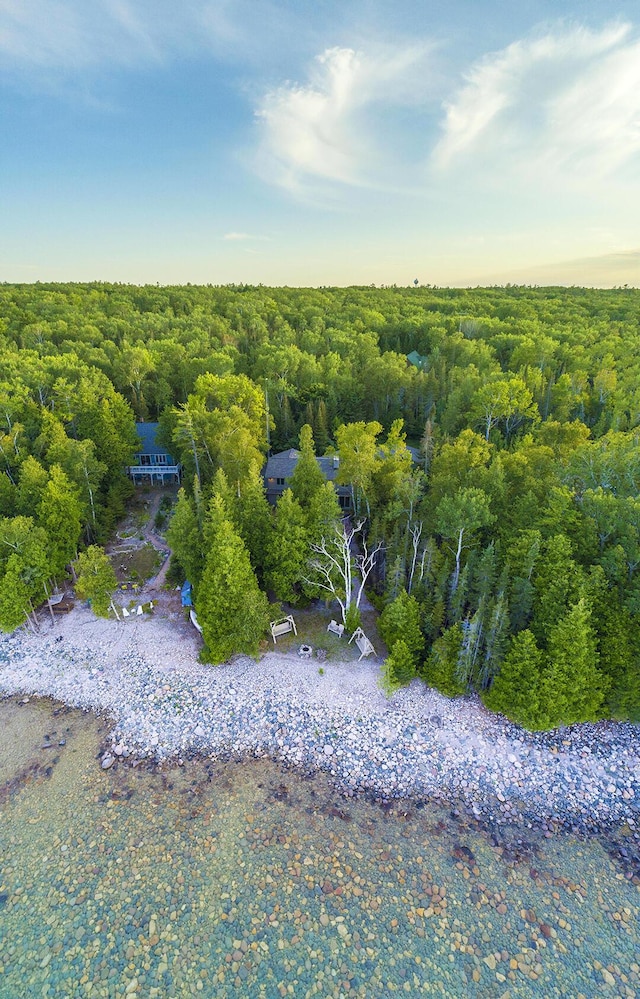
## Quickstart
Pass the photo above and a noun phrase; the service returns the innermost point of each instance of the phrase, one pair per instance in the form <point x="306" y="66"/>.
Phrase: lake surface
<point x="247" y="880"/>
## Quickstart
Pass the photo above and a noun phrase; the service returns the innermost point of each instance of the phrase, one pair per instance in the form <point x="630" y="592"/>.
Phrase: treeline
<point x="508" y="554"/>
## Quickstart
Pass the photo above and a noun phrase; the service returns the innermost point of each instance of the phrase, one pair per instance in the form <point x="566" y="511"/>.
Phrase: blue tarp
<point x="185" y="594"/>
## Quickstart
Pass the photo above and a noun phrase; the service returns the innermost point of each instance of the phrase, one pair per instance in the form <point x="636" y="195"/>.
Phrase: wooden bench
<point x="363" y="643"/>
<point x="282" y="627"/>
<point x="335" y="628"/>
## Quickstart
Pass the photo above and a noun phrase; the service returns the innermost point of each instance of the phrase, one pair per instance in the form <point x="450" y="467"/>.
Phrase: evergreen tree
<point x="619" y="647"/>
<point x="307" y="477"/>
<point x="398" y="669"/>
<point x="321" y="427"/>
<point x="59" y="513"/>
<point x="323" y="514"/>
<point x="254" y="520"/>
<point x="517" y="689"/>
<point x="287" y="555"/>
<point x="520" y="562"/>
<point x="483" y="574"/>
<point x="232" y="611"/>
<point x="573" y="685"/>
<point x="185" y="538"/>
<point x="24" y="569"/>
<point x="496" y="636"/>
<point x="221" y="487"/>
<point x="400" y="620"/>
<point x="441" y="668"/>
<point x="557" y="582"/>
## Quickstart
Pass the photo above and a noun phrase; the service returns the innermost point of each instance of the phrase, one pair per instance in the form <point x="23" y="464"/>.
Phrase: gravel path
<point x="145" y="675"/>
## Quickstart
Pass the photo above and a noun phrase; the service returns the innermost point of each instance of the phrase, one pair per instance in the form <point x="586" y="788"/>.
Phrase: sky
<point x="333" y="142"/>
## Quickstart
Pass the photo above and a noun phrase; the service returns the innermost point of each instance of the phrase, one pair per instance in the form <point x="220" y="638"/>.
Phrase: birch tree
<point x="458" y="517"/>
<point x="339" y="573"/>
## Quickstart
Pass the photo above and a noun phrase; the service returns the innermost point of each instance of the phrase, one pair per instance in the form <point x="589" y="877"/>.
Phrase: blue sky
<point x="456" y="142"/>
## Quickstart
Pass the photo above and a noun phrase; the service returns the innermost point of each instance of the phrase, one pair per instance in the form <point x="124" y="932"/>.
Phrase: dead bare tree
<point x="336" y="570"/>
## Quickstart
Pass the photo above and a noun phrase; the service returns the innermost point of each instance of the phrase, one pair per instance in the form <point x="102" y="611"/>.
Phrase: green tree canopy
<point x="96" y="579"/>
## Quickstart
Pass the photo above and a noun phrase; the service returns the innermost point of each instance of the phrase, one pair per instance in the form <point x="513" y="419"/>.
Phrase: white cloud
<point x="243" y="237"/>
<point x="321" y="130"/>
<point x="561" y="104"/>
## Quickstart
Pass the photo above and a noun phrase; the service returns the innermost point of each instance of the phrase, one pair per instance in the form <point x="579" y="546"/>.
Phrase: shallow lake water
<point x="247" y="880"/>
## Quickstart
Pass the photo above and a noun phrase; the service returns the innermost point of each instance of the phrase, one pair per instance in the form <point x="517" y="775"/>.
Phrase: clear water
<point x="245" y="880"/>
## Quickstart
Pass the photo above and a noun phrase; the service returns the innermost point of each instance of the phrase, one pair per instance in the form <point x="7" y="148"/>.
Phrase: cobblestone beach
<point x="145" y="675"/>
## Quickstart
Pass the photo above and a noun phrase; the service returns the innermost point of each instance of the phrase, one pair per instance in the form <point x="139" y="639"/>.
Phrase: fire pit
<point x="305" y="652"/>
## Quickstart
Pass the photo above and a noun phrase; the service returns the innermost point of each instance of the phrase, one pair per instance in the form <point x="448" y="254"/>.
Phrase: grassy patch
<point x="312" y="630"/>
<point x="137" y="566"/>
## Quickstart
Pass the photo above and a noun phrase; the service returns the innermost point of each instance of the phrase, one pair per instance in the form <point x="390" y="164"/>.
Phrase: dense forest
<point x="504" y="560"/>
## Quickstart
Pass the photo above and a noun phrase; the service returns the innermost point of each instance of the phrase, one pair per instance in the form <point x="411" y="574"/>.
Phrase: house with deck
<point x="153" y="465"/>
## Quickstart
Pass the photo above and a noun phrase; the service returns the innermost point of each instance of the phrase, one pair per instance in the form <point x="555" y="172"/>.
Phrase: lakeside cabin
<point x="281" y="466"/>
<point x="153" y="463"/>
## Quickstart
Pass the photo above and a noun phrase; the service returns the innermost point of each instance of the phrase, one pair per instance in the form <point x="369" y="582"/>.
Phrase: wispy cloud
<point x="321" y="130"/>
<point x="564" y="103"/>
<point x="240" y="237"/>
<point x="71" y="35"/>
<point x="75" y="35"/>
<point x="67" y="36"/>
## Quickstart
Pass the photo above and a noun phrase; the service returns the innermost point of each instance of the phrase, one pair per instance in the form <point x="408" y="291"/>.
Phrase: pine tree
<point x="619" y="647"/>
<point x="307" y="477"/>
<point x="398" y="668"/>
<point x="254" y="519"/>
<point x="573" y="685"/>
<point x="221" y="487"/>
<point x="517" y="689"/>
<point x="557" y="580"/>
<point x="287" y="555"/>
<point x="232" y="611"/>
<point x="442" y="665"/>
<point x="185" y="538"/>
<point x="522" y="556"/>
<point x="400" y="620"/>
<point x="495" y="639"/>
<point x="321" y="427"/>
<point x="323" y="514"/>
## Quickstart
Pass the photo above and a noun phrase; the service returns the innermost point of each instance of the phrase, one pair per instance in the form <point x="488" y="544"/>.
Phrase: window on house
<point x="160" y="459"/>
<point x="279" y="482"/>
<point x="145" y="459"/>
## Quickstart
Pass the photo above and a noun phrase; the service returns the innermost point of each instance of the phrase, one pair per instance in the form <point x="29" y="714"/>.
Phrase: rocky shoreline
<point x="418" y="745"/>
